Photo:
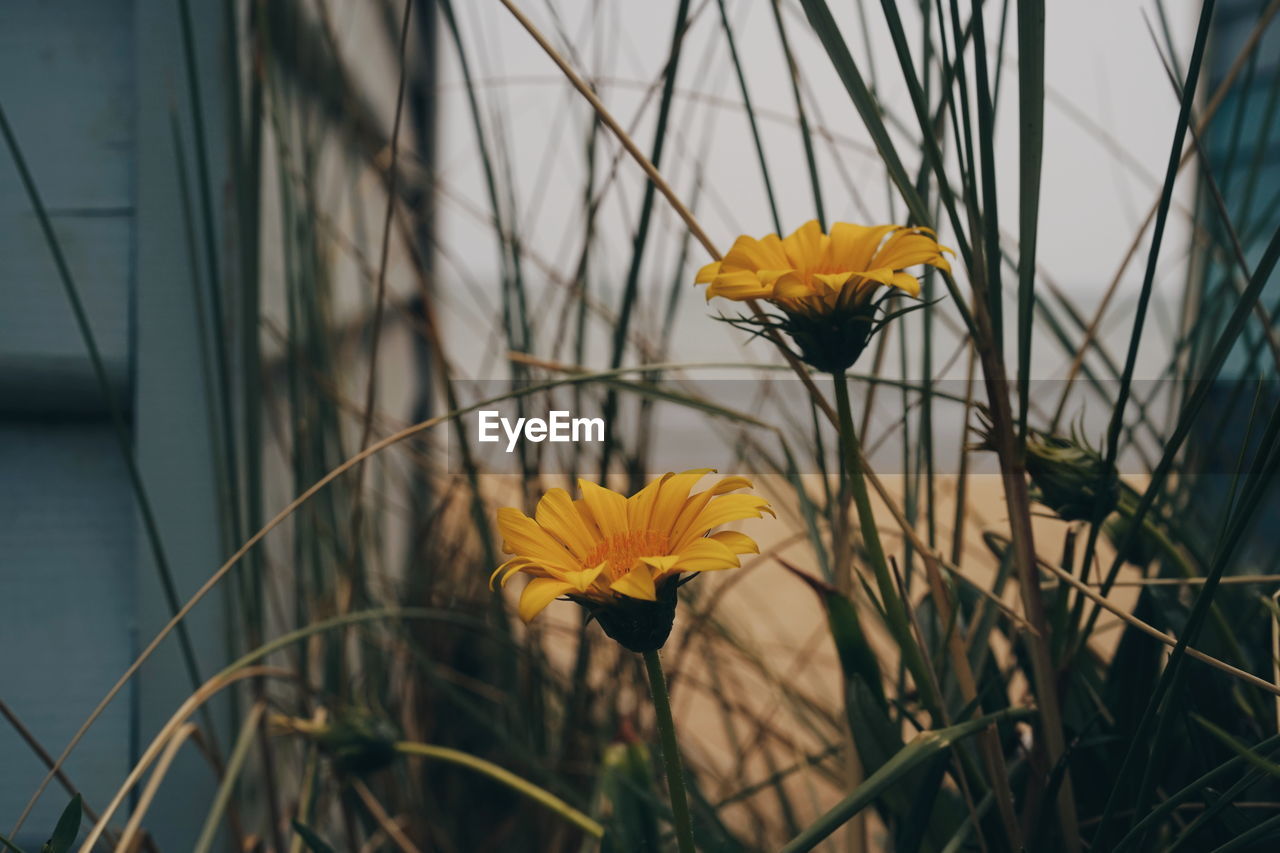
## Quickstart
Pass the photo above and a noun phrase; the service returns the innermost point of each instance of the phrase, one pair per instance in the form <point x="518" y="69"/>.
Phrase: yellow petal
<point x="637" y="583"/>
<point x="806" y="246"/>
<point x="580" y="506"/>
<point x="522" y="536"/>
<point x="738" y="285"/>
<point x="907" y="248"/>
<point x="720" y="511"/>
<point x="608" y="508"/>
<point x="695" y="504"/>
<point x="706" y="555"/>
<point x="791" y="287"/>
<point x="557" y="516"/>
<point x="505" y="567"/>
<point x="640" y="505"/>
<point x="751" y="254"/>
<point x="771" y="277"/>
<point x="583" y="580"/>
<point x="738" y="543"/>
<point x="707" y="273"/>
<point x="538" y="594"/>
<point x="730" y="484"/>
<point x="852" y="247"/>
<point x="661" y="565"/>
<point x="907" y="282"/>
<point x="879" y="275"/>
<point x="674" y="492"/>
<point x="834" y="281"/>
<point x="514" y="566"/>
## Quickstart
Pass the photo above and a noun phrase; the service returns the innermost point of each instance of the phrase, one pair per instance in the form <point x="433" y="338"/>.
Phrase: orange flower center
<point x="621" y="551"/>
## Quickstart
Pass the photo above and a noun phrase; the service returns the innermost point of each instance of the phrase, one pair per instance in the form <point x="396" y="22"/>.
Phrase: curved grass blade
<point x="921" y="749"/>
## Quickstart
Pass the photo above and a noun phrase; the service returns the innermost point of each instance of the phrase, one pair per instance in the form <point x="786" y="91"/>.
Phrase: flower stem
<point x="670" y="752"/>
<point x="894" y="608"/>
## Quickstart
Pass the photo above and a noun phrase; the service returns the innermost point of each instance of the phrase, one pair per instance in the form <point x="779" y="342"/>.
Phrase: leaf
<point x="67" y="828"/>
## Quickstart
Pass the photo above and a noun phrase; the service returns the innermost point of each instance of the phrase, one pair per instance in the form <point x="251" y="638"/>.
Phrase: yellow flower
<point x="814" y="273"/>
<point x="606" y="550"/>
<point x="824" y="283"/>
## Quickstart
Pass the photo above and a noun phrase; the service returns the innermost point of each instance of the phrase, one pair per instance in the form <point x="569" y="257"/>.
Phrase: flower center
<point x="621" y="551"/>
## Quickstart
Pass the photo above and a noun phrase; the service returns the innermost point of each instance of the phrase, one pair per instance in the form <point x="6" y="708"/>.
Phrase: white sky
<point x="1102" y="70"/>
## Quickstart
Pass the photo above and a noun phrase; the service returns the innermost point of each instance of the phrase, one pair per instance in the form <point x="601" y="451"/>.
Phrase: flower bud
<point x="1070" y="477"/>
<point x="356" y="741"/>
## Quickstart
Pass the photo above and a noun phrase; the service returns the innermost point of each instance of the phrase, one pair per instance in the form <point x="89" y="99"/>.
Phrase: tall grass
<point x="934" y="658"/>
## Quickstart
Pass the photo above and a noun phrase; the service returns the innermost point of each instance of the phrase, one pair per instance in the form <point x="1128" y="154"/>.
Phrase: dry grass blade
<point x="129" y="837"/>
<point x="166" y="735"/>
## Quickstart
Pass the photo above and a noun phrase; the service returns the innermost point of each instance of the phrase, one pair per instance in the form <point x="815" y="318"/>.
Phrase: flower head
<point x="620" y="556"/>
<point x="825" y="283"/>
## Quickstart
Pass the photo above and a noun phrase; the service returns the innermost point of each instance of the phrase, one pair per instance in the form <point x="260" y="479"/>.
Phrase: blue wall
<point x="67" y="537"/>
<point x="93" y="89"/>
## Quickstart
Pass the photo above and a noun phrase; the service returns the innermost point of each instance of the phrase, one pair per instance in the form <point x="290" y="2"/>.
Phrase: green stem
<point x="895" y="611"/>
<point x="670" y="752"/>
<point x="506" y="777"/>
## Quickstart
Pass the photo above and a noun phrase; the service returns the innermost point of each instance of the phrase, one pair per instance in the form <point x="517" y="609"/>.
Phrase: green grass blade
<point x="922" y="748"/>
<point x="932" y="147"/>
<point x="314" y="842"/>
<point x="751" y="116"/>
<point x="864" y="102"/>
<point x="802" y="120"/>
<point x="236" y="762"/>
<point x="631" y="286"/>
<point x="1030" y="162"/>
